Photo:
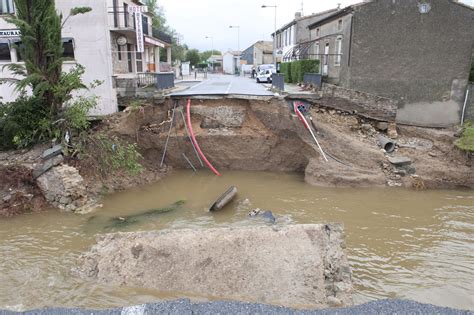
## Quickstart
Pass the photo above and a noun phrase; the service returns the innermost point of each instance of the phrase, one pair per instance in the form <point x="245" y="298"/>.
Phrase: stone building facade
<point x="416" y="52"/>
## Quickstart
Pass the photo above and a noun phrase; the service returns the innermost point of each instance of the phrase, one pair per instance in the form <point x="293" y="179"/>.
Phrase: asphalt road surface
<point x="219" y="84"/>
<point x="185" y="307"/>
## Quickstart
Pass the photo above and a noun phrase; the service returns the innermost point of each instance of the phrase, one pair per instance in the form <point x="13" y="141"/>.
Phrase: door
<point x="129" y="58"/>
<point x="326" y="60"/>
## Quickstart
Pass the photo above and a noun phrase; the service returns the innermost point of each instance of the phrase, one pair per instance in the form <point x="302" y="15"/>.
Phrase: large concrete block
<point x="296" y="266"/>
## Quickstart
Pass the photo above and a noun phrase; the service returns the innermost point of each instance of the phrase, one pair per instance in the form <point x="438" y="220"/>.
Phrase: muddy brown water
<point x="401" y="243"/>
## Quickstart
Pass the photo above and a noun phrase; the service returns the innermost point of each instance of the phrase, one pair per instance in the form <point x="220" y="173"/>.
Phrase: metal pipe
<point x="189" y="162"/>
<point x="464" y="107"/>
<point x="189" y="137"/>
<point x="168" y="138"/>
<point x="387" y="144"/>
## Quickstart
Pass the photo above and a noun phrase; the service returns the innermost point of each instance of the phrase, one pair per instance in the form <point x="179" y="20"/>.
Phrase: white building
<point x="104" y="41"/>
<point x="230" y="61"/>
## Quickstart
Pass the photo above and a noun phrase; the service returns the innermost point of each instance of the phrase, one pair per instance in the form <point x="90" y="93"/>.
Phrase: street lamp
<point x="238" y="42"/>
<point x="275" y="32"/>
<point x="212" y="51"/>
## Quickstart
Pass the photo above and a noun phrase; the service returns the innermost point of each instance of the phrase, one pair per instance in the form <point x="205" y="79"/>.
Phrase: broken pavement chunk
<point x="399" y="160"/>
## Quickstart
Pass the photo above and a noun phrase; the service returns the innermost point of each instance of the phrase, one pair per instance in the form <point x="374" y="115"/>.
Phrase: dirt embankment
<point x="18" y="191"/>
<point x="238" y="134"/>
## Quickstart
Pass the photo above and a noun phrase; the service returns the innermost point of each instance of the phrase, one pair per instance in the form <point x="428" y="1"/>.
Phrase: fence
<point x="161" y="81"/>
<point x="278" y="81"/>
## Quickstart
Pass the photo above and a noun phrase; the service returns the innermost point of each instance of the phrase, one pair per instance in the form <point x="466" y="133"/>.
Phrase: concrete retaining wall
<point x="296" y="266"/>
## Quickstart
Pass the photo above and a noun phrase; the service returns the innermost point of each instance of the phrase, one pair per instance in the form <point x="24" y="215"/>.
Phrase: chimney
<point x="297" y="15"/>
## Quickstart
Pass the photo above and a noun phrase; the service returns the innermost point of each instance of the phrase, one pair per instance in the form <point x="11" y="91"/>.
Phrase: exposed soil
<point x="259" y="135"/>
<point x="272" y="139"/>
<point x="18" y="191"/>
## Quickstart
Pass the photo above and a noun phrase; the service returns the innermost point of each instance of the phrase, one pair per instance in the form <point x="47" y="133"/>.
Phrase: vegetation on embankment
<point x="466" y="142"/>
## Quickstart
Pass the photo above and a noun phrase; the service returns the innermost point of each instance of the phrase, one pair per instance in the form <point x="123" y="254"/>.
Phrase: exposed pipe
<point x="193" y="137"/>
<point x="387" y="144"/>
<point x="187" y="132"/>
<point x="464" y="107"/>
<point x="189" y="162"/>
<point x="305" y="123"/>
<point x="168" y="138"/>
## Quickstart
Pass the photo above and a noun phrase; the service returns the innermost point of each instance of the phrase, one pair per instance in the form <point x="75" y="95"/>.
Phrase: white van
<point x="265" y="75"/>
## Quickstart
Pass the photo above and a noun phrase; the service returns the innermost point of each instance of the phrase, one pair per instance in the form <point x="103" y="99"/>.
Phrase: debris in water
<point x="224" y="199"/>
<point x="267" y="215"/>
<point x="124" y="221"/>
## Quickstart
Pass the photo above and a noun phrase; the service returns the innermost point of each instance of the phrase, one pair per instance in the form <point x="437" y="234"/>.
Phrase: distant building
<point x="259" y="53"/>
<point x="416" y="52"/>
<point x="230" y="62"/>
<point x="103" y="40"/>
<point x="215" y="61"/>
<point x="295" y="32"/>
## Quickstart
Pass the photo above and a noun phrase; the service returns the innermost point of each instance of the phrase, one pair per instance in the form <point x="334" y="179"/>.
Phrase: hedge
<point x="294" y="71"/>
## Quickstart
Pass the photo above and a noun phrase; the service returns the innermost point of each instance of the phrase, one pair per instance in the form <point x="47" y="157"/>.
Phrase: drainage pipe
<point x="193" y="137"/>
<point x="305" y="123"/>
<point x="387" y="144"/>
<point x="464" y="107"/>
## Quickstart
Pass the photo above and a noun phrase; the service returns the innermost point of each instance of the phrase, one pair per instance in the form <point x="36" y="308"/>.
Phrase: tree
<point x="205" y="55"/>
<point x="42" y="49"/>
<point x="41" y="116"/>
<point x="193" y="56"/>
<point x="159" y="22"/>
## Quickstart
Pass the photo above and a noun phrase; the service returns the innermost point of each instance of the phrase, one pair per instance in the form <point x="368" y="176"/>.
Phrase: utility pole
<point x="212" y="51"/>
<point x="274" y="33"/>
<point x="238" y="43"/>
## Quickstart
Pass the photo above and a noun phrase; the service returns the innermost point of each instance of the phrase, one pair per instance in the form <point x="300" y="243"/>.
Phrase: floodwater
<point x="401" y="243"/>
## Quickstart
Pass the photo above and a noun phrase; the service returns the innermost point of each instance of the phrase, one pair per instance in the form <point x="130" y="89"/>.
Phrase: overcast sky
<point x="195" y="20"/>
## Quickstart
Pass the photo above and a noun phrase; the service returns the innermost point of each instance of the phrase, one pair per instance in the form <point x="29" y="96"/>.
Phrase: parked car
<point x="265" y="75"/>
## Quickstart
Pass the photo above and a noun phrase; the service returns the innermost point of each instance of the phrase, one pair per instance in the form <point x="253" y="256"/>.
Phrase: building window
<point x="317" y="51"/>
<point x="119" y="52"/>
<point x="317" y="32"/>
<point x="139" y="61"/>
<point x="337" y="60"/>
<point x="7" y="7"/>
<point x="145" y="24"/>
<point x="339" y="25"/>
<point x="68" y="47"/>
<point x="5" y="52"/>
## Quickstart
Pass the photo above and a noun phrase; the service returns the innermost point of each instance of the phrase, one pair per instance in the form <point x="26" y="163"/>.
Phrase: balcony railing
<point x="161" y="36"/>
<point x="123" y="20"/>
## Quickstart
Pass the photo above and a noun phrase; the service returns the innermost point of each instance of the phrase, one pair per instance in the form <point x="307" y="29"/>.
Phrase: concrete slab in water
<point x="295" y="266"/>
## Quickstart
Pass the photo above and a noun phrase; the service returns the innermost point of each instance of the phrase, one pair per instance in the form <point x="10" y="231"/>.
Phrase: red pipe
<point x="191" y="132"/>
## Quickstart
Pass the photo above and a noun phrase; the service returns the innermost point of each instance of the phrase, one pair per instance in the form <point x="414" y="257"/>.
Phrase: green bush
<point x="285" y="68"/>
<point x="25" y="122"/>
<point x="294" y="71"/>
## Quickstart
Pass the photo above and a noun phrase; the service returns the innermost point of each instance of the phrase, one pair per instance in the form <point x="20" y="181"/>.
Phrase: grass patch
<point x="466" y="142"/>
